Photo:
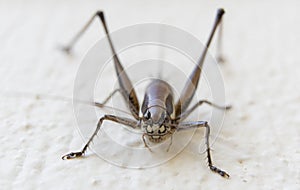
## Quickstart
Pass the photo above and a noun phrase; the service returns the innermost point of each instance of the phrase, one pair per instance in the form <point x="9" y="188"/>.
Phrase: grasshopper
<point x="160" y="117"/>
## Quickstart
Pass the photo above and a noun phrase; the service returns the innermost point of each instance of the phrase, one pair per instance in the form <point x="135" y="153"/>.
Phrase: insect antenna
<point x="39" y="96"/>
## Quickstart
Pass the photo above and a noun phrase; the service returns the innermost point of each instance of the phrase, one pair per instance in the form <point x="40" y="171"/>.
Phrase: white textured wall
<point x="258" y="144"/>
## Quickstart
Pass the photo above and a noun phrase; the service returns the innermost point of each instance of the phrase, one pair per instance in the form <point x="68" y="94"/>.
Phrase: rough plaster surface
<point x="259" y="141"/>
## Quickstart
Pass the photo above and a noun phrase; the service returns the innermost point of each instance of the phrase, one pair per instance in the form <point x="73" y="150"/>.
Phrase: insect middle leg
<point x="197" y="124"/>
<point x="100" y="105"/>
<point x="121" y="120"/>
<point x="199" y="103"/>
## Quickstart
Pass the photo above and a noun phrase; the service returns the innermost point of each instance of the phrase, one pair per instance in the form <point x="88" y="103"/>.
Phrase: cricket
<point x="159" y="116"/>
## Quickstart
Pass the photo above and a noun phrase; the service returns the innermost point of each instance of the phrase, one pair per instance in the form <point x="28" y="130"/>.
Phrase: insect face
<point x="156" y="124"/>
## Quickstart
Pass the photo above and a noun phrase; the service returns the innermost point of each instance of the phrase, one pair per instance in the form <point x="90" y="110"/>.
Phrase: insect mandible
<point x="161" y="117"/>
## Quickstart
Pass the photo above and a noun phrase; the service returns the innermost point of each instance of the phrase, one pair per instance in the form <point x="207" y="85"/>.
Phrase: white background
<point x="259" y="141"/>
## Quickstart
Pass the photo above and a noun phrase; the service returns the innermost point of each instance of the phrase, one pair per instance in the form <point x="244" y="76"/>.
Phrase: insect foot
<point x="66" y="49"/>
<point x="228" y="107"/>
<point x="72" y="155"/>
<point x="217" y="170"/>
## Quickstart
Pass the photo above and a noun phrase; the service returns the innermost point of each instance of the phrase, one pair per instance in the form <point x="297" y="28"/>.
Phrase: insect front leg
<point x="197" y="124"/>
<point x="188" y="112"/>
<point x="121" y="120"/>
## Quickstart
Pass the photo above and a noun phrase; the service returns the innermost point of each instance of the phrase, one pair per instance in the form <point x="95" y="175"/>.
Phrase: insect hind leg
<point x="219" y="54"/>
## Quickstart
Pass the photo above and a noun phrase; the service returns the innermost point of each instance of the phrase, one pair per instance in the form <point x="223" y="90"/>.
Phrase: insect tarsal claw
<point x="72" y="155"/>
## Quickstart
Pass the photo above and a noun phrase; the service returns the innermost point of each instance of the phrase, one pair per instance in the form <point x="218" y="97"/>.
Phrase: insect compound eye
<point x="147" y="115"/>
